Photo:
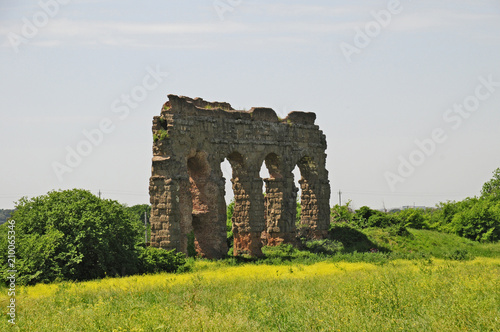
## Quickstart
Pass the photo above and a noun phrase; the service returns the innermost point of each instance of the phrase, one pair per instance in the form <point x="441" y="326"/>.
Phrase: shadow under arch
<point x="203" y="220"/>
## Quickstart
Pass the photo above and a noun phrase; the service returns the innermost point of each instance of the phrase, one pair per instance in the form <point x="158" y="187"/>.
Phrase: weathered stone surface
<point x="192" y="137"/>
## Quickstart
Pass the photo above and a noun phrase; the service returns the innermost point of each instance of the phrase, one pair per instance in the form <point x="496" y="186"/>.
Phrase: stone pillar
<point x="248" y="216"/>
<point x="209" y="224"/>
<point x="315" y="207"/>
<point x="315" y="199"/>
<point x="281" y="195"/>
<point x="165" y="213"/>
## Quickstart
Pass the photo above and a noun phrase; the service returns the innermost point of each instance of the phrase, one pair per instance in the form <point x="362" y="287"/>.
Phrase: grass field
<point x="331" y="294"/>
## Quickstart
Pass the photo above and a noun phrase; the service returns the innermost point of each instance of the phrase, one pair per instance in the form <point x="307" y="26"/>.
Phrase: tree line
<point x="475" y="218"/>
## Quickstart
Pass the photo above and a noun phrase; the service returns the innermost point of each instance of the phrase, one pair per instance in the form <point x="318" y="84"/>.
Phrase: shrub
<point x="72" y="235"/>
<point x="413" y="218"/>
<point x="459" y="255"/>
<point x="362" y="215"/>
<point x="325" y="246"/>
<point x="479" y="221"/>
<point x="492" y="187"/>
<point x="153" y="260"/>
<point x="137" y="212"/>
<point x="341" y="213"/>
<point x="398" y="230"/>
<point x="380" y="219"/>
<point x="352" y="239"/>
<point x="366" y="217"/>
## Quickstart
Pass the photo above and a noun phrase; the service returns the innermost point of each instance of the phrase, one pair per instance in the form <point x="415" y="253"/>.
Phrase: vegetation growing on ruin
<point x="214" y="107"/>
<point x="161" y="135"/>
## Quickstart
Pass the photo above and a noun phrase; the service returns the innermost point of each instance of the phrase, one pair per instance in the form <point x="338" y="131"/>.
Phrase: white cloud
<point x="306" y="10"/>
<point x="291" y="24"/>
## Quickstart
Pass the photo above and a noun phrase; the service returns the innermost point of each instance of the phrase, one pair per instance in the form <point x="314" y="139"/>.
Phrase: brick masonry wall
<point x="192" y="137"/>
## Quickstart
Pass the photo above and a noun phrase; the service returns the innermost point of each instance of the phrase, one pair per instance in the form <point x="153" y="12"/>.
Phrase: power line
<point x="403" y="194"/>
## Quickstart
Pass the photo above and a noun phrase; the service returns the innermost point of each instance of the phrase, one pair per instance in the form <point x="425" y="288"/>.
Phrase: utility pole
<point x="99" y="193"/>
<point x="340" y="198"/>
<point x="145" y="227"/>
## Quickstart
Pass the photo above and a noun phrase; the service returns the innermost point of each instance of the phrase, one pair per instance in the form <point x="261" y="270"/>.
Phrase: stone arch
<point x="203" y="215"/>
<point x="192" y="138"/>
<point x="237" y="162"/>
<point x="273" y="163"/>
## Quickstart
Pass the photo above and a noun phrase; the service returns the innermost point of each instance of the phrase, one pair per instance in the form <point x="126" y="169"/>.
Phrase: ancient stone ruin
<point x="192" y="137"/>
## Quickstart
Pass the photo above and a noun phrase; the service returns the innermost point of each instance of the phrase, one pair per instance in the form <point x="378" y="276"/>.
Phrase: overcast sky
<point x="406" y="92"/>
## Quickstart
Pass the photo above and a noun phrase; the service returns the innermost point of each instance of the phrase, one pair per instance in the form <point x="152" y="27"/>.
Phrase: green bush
<point x="341" y="213"/>
<point x="459" y="255"/>
<point x="153" y="260"/>
<point x="381" y="219"/>
<point x="74" y="235"/>
<point x="492" y="187"/>
<point x="366" y="217"/>
<point x="137" y="212"/>
<point x="362" y="216"/>
<point x="325" y="246"/>
<point x="351" y="238"/>
<point x="398" y="230"/>
<point x="479" y="221"/>
<point x="413" y="218"/>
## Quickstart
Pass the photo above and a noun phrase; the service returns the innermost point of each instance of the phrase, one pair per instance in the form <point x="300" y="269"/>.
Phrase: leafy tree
<point x="73" y="235"/>
<point x="139" y="209"/>
<point x="366" y="217"/>
<point x="413" y="218"/>
<point x="381" y="219"/>
<point x="137" y="212"/>
<point x="5" y="215"/>
<point x="342" y="213"/>
<point x="492" y="187"/>
<point x="479" y="220"/>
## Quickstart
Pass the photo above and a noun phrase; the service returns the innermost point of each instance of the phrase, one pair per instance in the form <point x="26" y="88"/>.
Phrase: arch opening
<point x="279" y="202"/>
<point x="298" y="195"/>
<point x="308" y="185"/>
<point x="248" y="213"/>
<point x="204" y="223"/>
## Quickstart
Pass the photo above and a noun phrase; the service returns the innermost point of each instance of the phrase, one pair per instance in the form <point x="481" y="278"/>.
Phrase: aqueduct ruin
<point x="192" y="137"/>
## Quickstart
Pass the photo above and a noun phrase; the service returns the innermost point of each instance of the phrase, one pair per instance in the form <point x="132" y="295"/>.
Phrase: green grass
<point x="436" y="244"/>
<point x="415" y="242"/>
<point x="419" y="295"/>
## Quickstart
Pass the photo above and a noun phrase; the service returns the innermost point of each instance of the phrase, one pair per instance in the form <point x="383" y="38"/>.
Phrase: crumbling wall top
<point x="199" y="107"/>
